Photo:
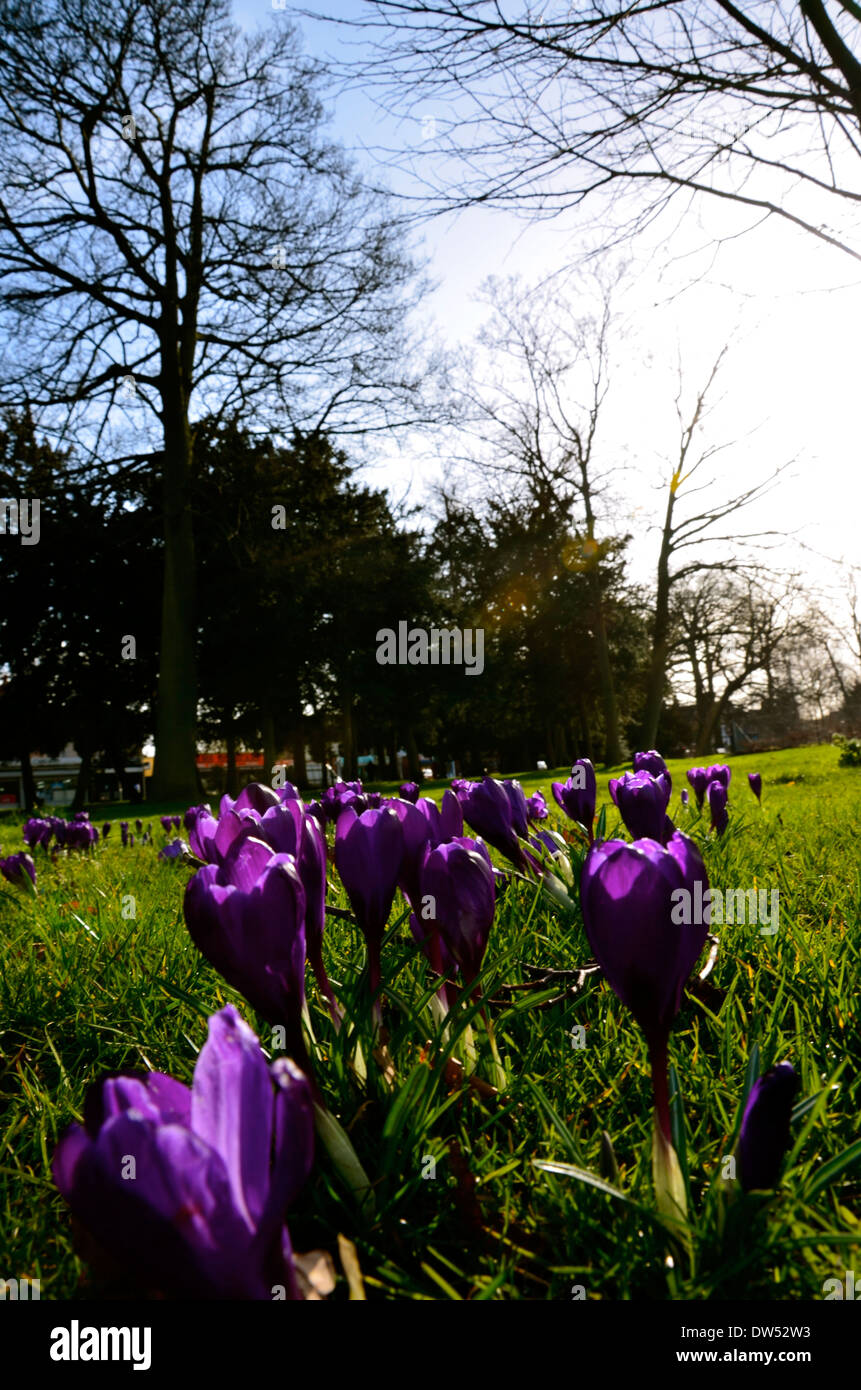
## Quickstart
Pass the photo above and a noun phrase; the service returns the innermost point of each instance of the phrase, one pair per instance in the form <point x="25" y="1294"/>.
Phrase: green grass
<point x="85" y="989"/>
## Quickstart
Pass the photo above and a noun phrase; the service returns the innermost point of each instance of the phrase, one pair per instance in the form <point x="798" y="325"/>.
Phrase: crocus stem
<point x="324" y="984"/>
<point x="660" y="1086"/>
<point x="374" y="982"/>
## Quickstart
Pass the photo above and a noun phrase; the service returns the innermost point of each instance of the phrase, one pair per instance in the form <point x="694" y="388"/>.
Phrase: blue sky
<point x="788" y="306"/>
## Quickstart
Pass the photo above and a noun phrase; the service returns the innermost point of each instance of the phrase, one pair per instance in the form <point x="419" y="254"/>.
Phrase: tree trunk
<point x="28" y="785"/>
<point x="232" y="780"/>
<point x="612" y="742"/>
<point x="710" y="721"/>
<point x="175" y="771"/>
<point x="300" y="771"/>
<point x="550" y="746"/>
<point x="657" y="677"/>
<point x="413" y="756"/>
<point x="394" y="770"/>
<point x="82" y="786"/>
<point x="348" y="752"/>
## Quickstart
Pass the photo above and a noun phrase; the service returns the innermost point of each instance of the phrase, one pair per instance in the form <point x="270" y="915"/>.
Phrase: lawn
<point x="98" y="974"/>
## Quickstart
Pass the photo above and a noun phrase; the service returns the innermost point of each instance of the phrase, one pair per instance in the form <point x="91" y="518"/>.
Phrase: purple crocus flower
<point x="247" y="916"/>
<point x="214" y="1167"/>
<point x="717" y="796"/>
<point x="255" y="797"/>
<point x="536" y="806"/>
<point x="458" y="880"/>
<point x="642" y="801"/>
<point x="192" y="814"/>
<point x="577" y="796"/>
<point x="652" y="762"/>
<point x="124" y="832"/>
<point x="764" y="1135"/>
<point x="720" y="772"/>
<point x="312" y="871"/>
<point x="106" y="829"/>
<point x="487" y="808"/>
<point x="699" y="780"/>
<point x="19" y="870"/>
<point x="166" y="824"/>
<point x="755" y="780"/>
<point x="415" y="841"/>
<point x="445" y="821"/>
<point x="33" y="832"/>
<point x="685" y="797"/>
<point x="409" y="791"/>
<point x="368" y="856"/>
<point x="630" y="896"/>
<point x="139" y="827"/>
<point x="175" y="849"/>
<point x="519" y="809"/>
<point x="287" y="829"/>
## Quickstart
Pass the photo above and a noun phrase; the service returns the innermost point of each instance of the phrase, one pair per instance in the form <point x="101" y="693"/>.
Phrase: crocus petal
<point x="231" y="1108"/>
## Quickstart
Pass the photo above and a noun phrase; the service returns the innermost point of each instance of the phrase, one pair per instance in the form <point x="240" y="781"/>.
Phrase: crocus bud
<point x="174" y="849"/>
<point x="368" y="856"/>
<point x="517" y="801"/>
<point x="124" y="832"/>
<point x="577" y="796"/>
<point x="192" y="814"/>
<point x="106" y="829"/>
<point x="699" y="780"/>
<point x="629" y="896"/>
<point x="720" y="772"/>
<point x="642" y="801"/>
<point x="652" y="762"/>
<point x="166" y="824"/>
<point x="717" y="795"/>
<point x="247" y="916"/>
<point x="215" y="1167"/>
<point x="444" y="822"/>
<point x="685" y="797"/>
<point x="409" y="791"/>
<point x="755" y="780"/>
<point x="457" y="878"/>
<point x="536" y="807"/>
<point x="19" y="870"/>
<point x="764" y="1135"/>
<point x="416" y="839"/>
<point x="487" y="808"/>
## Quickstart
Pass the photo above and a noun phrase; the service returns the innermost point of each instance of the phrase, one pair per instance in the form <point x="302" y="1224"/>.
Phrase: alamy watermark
<point x="21" y="519"/>
<point x="420" y="646"/>
<point x="20" y="1290"/>
<point x="716" y="907"/>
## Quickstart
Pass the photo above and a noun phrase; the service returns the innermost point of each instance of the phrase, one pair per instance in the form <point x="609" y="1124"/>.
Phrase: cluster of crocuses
<point x="77" y="833"/>
<point x="257" y="908"/>
<point x="223" y="1160"/>
<point x="627" y="897"/>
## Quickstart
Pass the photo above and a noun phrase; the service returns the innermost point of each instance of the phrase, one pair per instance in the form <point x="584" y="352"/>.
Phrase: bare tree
<point x="175" y="232"/>
<point x="551" y="103"/>
<point x="687" y="530"/>
<point x="535" y="420"/>
<point x="727" y="629"/>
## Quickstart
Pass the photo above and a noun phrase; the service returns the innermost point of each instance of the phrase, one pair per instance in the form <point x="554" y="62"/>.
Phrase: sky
<point x="787" y="306"/>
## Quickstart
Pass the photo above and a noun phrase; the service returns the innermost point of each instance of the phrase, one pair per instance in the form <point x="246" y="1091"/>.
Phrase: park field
<point x="98" y="974"/>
